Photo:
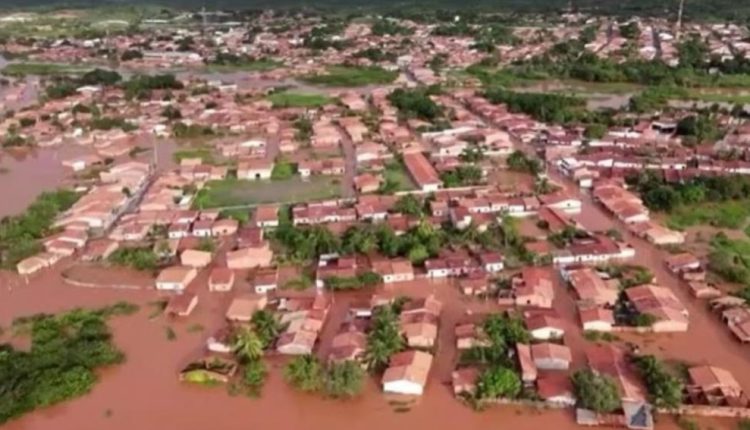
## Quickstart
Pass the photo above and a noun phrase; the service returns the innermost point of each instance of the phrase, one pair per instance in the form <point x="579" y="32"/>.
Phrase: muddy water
<point x="707" y="341"/>
<point x="594" y="100"/>
<point x="26" y="174"/>
<point x="144" y="393"/>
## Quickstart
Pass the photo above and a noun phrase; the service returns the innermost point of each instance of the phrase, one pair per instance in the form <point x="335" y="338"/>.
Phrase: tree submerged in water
<point x="66" y="350"/>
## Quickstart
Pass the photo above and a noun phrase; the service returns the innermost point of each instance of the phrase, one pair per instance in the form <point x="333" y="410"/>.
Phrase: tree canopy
<point x="595" y="391"/>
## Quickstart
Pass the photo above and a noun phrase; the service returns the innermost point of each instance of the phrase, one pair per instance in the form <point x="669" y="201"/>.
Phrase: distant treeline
<point x="694" y="9"/>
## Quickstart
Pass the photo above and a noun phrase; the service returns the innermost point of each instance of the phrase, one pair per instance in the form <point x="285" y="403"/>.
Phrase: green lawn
<point x="352" y="76"/>
<point x="43" y="69"/>
<point x="236" y="192"/>
<point x="396" y="172"/>
<point x="730" y="214"/>
<point x="286" y="99"/>
<point x="205" y="154"/>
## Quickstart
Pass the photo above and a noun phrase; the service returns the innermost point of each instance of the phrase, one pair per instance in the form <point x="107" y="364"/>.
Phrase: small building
<point x="266" y="216"/>
<point x="595" y="318"/>
<point x="544" y="327"/>
<point x="492" y="262"/>
<point x="551" y="356"/>
<point x="221" y="279"/>
<point x="195" y="258"/>
<point x="682" y="262"/>
<point x="420" y="334"/>
<point x="249" y="258"/>
<point x="556" y="389"/>
<point x="393" y="270"/>
<point x="255" y="169"/>
<point x="423" y="173"/>
<point x="534" y="287"/>
<point x="243" y="307"/>
<point x="407" y="373"/>
<point x="224" y="227"/>
<point x="181" y="304"/>
<point x="266" y="280"/>
<point x="175" y="278"/>
<point x="526" y="364"/>
<point x="297" y="342"/>
<point x="464" y="380"/>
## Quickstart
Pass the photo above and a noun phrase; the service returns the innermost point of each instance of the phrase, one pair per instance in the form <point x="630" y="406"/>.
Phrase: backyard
<point x="395" y="173"/>
<point x="236" y="192"/>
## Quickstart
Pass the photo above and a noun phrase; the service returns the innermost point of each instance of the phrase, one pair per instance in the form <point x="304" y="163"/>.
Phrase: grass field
<point x="351" y="76"/>
<point x="204" y="153"/>
<point x="43" y="69"/>
<point x="730" y="214"/>
<point x="235" y="192"/>
<point x="286" y="99"/>
<point x="253" y="66"/>
<point x="395" y="172"/>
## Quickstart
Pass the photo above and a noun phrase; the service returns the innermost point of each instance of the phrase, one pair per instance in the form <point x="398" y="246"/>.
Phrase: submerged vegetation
<point x="66" y="350"/>
<point x="19" y="235"/>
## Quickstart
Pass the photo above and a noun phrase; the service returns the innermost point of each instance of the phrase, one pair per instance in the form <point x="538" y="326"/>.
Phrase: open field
<point x="729" y="214"/>
<point x="252" y="66"/>
<point x="286" y="99"/>
<point x="349" y="76"/>
<point x="234" y="192"/>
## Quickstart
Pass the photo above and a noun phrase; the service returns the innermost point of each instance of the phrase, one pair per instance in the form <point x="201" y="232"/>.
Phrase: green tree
<point x="304" y="373"/>
<point x="665" y="390"/>
<point x="497" y="382"/>
<point x="343" y="380"/>
<point x="408" y="205"/>
<point x="266" y="326"/>
<point x="595" y="391"/>
<point x="595" y="131"/>
<point x="254" y="376"/>
<point x="418" y="254"/>
<point x="384" y="338"/>
<point x="247" y="345"/>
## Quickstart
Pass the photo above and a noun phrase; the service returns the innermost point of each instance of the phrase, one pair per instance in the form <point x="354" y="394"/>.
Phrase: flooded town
<point x="408" y="217"/>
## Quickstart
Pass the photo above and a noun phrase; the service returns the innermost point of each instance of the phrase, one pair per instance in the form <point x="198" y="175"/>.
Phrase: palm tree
<point x="266" y="326"/>
<point x="247" y="344"/>
<point x="384" y="339"/>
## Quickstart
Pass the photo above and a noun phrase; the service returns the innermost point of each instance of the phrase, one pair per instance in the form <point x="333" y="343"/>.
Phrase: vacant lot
<point x="286" y="99"/>
<point x="235" y="192"/>
<point x="729" y="214"/>
<point x="350" y="76"/>
<point x="395" y="173"/>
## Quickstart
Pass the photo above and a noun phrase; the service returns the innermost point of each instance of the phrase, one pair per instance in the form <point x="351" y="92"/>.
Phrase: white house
<point x="175" y="278"/>
<point x="407" y="373"/>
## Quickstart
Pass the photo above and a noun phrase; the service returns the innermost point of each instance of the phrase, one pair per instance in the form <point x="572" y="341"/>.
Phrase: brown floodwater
<point x="144" y="392"/>
<point x="24" y="174"/>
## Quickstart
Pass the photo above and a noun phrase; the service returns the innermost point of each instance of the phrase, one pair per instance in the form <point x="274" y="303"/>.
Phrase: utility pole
<point x="679" y="19"/>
